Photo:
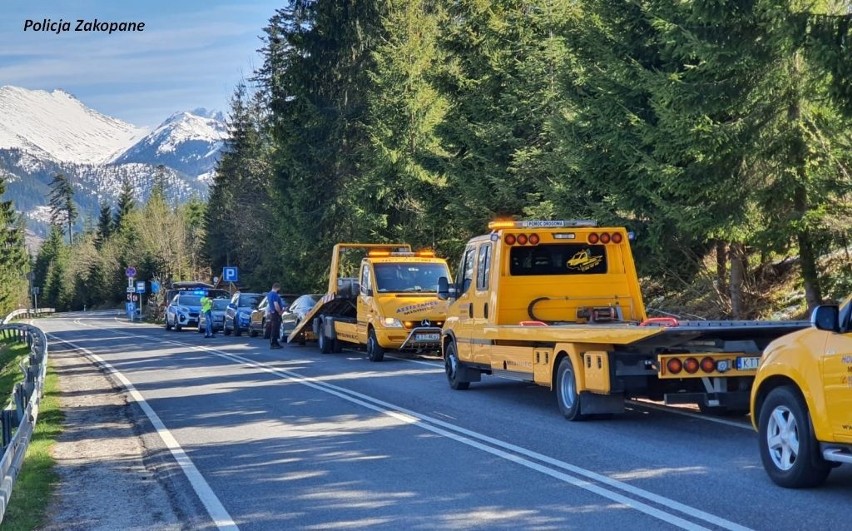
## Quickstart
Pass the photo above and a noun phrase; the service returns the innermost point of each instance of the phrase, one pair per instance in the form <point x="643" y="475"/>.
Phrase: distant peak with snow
<point x="58" y="126"/>
<point x="186" y="141"/>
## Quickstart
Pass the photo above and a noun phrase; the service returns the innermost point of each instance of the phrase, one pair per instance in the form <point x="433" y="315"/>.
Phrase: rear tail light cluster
<point x="692" y="365"/>
<point x="604" y="237"/>
<point x="534" y="239"/>
<point x="522" y="239"/>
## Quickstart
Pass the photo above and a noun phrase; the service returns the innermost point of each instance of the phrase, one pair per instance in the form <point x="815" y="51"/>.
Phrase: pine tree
<point x="105" y="223"/>
<point x="317" y="56"/>
<point x="14" y="260"/>
<point x="63" y="211"/>
<point x="126" y="203"/>
<point x="501" y="77"/>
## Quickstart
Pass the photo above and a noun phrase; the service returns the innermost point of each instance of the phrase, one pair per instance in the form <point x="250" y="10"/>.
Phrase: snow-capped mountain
<point x="43" y="133"/>
<point x="57" y="125"/>
<point x="187" y="142"/>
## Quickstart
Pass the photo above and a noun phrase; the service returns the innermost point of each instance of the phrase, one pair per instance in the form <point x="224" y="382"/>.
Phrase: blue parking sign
<point x="230" y="274"/>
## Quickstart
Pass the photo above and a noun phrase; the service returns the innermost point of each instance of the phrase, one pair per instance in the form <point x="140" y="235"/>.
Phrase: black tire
<point x="225" y="329"/>
<point x="566" y="390"/>
<point x="375" y="352"/>
<point x="784" y="424"/>
<point x="452" y="367"/>
<point x="200" y="330"/>
<point x="325" y="343"/>
<point x="168" y="325"/>
<point x="178" y="327"/>
<point x="237" y="331"/>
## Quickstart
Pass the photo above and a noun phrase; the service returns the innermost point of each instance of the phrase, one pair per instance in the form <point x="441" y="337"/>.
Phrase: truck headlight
<point x="390" y="322"/>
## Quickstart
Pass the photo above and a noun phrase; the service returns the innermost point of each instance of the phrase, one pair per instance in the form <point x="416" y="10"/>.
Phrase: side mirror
<point x="445" y="289"/>
<point x="826" y="318"/>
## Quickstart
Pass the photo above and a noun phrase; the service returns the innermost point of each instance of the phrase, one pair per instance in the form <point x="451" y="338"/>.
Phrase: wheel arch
<point x="448" y="338"/>
<point x="576" y="358"/>
<point x="766" y="387"/>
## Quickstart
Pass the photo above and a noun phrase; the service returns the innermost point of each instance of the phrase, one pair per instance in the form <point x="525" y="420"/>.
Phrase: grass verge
<point x="37" y="478"/>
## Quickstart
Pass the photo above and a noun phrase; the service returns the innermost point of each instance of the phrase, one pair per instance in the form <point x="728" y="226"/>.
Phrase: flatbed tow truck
<point x="558" y="303"/>
<point x="391" y="305"/>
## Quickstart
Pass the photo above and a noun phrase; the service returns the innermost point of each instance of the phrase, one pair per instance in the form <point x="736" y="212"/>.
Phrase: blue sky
<point x="191" y="54"/>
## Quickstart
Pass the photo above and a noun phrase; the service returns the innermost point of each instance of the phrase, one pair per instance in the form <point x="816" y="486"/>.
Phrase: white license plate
<point x="427" y="337"/>
<point x="748" y="364"/>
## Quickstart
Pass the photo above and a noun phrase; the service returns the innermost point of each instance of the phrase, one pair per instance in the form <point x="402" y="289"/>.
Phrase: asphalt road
<point x="295" y="439"/>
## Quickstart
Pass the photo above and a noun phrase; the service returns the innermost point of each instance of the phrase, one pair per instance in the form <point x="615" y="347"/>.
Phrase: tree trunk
<point x="721" y="266"/>
<point x="810" y="278"/>
<point x="737" y="254"/>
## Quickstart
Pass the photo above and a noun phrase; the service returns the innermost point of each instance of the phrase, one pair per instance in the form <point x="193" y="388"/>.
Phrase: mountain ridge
<point x="43" y="133"/>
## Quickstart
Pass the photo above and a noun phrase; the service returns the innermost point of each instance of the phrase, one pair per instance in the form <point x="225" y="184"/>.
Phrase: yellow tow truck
<point x="558" y="303"/>
<point x="802" y="400"/>
<point x="391" y="305"/>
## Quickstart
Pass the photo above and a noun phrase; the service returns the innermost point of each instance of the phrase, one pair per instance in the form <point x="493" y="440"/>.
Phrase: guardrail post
<point x="7" y="426"/>
<point x="20" y="401"/>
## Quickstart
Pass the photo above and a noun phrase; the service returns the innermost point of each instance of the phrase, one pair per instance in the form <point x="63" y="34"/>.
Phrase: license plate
<point x="427" y="337"/>
<point x="748" y="364"/>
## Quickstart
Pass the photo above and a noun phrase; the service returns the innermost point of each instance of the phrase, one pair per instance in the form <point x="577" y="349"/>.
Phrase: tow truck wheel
<point x="324" y="342"/>
<point x="788" y="448"/>
<point x="375" y="352"/>
<point x="566" y="390"/>
<point x="453" y="369"/>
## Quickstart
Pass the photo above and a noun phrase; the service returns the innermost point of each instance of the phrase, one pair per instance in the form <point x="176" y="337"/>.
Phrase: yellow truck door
<point x="837" y="379"/>
<point x="480" y="304"/>
<point x="462" y="308"/>
<point x="366" y="307"/>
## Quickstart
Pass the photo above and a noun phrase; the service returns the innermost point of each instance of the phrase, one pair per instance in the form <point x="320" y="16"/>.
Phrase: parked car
<point x="294" y="314"/>
<point x="184" y="309"/>
<point x="218" y="311"/>
<point x="238" y="313"/>
<point x="258" y="318"/>
<point x="198" y="288"/>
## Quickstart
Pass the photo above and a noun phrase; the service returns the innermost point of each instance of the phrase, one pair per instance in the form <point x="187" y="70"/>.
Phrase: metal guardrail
<point x="17" y="421"/>
<point x="26" y="314"/>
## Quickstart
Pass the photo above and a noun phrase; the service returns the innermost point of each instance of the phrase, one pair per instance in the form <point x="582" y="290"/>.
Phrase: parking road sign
<point x="230" y="274"/>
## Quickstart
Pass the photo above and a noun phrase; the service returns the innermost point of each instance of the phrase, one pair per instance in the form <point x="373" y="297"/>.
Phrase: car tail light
<point x="522" y="239"/>
<point x="534" y="239"/>
<point x="593" y="237"/>
<point x="708" y="364"/>
<point x="509" y="239"/>
<point x="617" y="237"/>
<point x="690" y="365"/>
<point x="604" y="237"/>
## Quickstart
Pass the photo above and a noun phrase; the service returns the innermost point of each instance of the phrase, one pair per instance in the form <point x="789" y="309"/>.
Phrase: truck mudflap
<point x="423" y="338"/>
<point x="595" y="404"/>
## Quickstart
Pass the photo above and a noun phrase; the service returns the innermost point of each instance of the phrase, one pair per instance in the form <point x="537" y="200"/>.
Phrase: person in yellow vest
<point x="207" y="310"/>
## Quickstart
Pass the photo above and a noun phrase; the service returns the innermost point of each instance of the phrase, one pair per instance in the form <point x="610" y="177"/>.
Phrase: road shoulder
<point x="110" y="477"/>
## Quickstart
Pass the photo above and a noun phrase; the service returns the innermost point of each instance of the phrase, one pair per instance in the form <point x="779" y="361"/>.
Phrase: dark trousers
<point x="273" y="321"/>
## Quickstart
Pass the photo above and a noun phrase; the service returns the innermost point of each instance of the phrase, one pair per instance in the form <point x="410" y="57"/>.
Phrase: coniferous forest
<point x="718" y="131"/>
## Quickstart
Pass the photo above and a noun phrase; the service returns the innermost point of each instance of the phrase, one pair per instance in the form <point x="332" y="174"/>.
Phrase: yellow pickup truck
<point x="801" y="400"/>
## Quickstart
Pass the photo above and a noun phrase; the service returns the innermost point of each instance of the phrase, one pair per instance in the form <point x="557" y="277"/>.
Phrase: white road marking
<point x="211" y="502"/>
<point x="518" y="455"/>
